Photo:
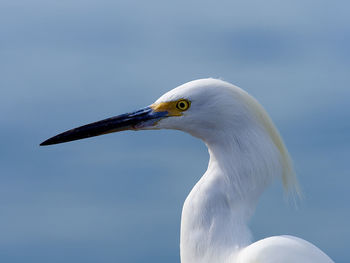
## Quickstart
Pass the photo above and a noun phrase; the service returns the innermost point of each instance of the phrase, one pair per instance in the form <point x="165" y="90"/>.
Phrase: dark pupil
<point x="182" y="105"/>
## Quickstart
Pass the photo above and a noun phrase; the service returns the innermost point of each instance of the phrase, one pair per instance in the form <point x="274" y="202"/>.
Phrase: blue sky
<point x="118" y="198"/>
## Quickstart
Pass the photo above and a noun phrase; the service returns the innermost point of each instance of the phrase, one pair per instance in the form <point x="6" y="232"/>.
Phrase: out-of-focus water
<point x="118" y="198"/>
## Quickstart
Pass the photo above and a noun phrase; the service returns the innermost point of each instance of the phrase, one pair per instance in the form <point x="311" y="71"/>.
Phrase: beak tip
<point x="48" y="142"/>
<point x="44" y="143"/>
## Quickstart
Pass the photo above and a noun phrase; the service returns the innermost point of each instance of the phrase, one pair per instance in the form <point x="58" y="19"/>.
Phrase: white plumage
<point x="246" y="153"/>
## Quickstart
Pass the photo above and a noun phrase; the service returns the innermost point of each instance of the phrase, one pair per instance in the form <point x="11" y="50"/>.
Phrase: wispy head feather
<point x="289" y="179"/>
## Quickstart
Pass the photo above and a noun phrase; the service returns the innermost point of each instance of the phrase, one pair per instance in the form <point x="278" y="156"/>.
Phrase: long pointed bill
<point x="143" y="118"/>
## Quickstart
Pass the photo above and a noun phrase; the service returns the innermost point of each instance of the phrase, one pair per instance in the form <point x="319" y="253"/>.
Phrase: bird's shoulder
<point x="282" y="249"/>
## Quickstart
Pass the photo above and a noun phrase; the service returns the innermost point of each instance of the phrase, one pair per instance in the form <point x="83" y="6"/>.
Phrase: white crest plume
<point x="289" y="179"/>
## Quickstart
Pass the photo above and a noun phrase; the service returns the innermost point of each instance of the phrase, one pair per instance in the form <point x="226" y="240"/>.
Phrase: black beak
<point x="144" y="118"/>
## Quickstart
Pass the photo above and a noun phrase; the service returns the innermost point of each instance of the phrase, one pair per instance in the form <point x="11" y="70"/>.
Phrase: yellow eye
<point x="183" y="105"/>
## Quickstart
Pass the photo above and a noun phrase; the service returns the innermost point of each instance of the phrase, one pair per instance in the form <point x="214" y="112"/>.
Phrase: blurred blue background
<point x="118" y="198"/>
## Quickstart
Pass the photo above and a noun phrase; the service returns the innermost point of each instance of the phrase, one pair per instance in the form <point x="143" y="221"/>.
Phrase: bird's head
<point x="207" y="108"/>
<point x="202" y="108"/>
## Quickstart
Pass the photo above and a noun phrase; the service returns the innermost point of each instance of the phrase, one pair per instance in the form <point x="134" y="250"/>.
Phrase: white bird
<point x="246" y="154"/>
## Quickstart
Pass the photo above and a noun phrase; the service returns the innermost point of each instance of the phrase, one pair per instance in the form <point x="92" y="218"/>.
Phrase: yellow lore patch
<point x="174" y="108"/>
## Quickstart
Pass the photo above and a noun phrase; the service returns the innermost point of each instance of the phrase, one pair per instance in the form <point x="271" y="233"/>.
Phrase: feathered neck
<point x="216" y="212"/>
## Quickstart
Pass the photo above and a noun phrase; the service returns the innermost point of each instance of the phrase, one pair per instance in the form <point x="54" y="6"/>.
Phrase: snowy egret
<point x="246" y="153"/>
